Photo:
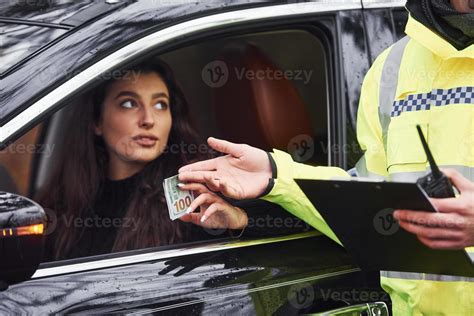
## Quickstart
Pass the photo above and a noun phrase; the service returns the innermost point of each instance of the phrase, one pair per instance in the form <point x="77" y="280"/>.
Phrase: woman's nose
<point x="147" y="120"/>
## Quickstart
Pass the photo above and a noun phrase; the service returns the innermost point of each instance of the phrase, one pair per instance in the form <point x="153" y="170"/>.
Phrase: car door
<point x="365" y="35"/>
<point x="287" y="274"/>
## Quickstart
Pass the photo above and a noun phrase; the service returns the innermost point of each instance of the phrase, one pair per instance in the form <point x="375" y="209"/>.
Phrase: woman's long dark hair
<point x="76" y="182"/>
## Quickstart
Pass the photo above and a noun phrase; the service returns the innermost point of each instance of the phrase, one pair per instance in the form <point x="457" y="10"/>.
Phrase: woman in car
<point x="107" y="189"/>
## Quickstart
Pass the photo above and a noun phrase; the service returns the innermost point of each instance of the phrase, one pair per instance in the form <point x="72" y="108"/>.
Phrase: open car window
<point x="267" y="89"/>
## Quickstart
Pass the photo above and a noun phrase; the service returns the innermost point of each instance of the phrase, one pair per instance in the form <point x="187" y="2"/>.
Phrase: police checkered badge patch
<point x="435" y="98"/>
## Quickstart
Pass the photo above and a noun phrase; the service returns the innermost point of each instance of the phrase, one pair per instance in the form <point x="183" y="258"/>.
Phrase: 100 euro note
<point x="177" y="200"/>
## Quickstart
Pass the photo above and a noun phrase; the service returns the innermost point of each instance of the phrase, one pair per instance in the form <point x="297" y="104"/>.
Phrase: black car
<point x="248" y="68"/>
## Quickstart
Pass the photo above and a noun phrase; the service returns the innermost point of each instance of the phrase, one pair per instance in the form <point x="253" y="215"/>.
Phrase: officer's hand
<point x="242" y="174"/>
<point x="453" y="226"/>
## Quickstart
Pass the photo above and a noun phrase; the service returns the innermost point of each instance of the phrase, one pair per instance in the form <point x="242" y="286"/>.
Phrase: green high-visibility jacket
<point x="434" y="87"/>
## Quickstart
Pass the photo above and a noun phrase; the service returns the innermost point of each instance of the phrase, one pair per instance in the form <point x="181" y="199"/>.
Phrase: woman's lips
<point x="146" y="141"/>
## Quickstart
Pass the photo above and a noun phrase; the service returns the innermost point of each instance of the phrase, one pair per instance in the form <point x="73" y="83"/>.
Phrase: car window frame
<point x="55" y="268"/>
<point x="131" y="52"/>
<point x="190" y="248"/>
<point x="384" y="4"/>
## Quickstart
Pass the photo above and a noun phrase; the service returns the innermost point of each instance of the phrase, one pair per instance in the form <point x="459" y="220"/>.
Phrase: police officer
<point x="426" y="78"/>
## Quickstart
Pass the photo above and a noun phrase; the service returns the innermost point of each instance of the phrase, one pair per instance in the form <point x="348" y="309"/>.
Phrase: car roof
<point x="56" y="13"/>
<point x="59" y="18"/>
<point x="73" y="13"/>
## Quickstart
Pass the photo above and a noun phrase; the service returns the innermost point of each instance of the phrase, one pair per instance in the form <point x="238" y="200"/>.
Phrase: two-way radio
<point x="436" y="184"/>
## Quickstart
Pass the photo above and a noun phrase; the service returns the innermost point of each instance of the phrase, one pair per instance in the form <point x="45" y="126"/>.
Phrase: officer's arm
<point x="288" y="194"/>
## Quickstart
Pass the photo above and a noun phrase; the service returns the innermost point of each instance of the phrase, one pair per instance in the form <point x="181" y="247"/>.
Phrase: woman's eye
<point x="128" y="104"/>
<point x="161" y="106"/>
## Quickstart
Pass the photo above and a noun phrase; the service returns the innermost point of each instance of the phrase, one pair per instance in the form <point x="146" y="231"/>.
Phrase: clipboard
<point x="361" y="215"/>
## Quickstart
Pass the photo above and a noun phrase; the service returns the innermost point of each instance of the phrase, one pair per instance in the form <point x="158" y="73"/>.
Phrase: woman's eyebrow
<point x="127" y="94"/>
<point x="135" y="95"/>
<point x="160" y="95"/>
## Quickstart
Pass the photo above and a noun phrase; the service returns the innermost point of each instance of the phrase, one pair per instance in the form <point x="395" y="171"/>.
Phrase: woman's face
<point x="136" y="119"/>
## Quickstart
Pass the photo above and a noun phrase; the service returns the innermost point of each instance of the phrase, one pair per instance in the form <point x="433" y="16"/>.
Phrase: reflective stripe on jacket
<point x="434" y="87"/>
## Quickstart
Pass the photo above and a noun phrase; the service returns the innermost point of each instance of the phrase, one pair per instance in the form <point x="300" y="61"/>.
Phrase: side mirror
<point x="22" y="238"/>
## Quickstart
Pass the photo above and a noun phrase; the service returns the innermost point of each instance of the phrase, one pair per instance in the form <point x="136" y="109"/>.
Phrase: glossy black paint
<point x="225" y="282"/>
<point x="252" y="280"/>
<point x="17" y="211"/>
<point x="20" y="255"/>
<point x="355" y="62"/>
<point x="16" y="36"/>
<point x="53" y="12"/>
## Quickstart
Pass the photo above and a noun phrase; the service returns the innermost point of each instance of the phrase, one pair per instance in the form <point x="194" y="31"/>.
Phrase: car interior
<point x="267" y="112"/>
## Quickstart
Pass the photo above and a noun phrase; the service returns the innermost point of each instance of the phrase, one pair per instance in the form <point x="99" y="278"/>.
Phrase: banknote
<point x="177" y="200"/>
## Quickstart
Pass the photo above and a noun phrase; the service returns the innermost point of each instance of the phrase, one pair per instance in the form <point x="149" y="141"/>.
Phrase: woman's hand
<point x="214" y="212"/>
